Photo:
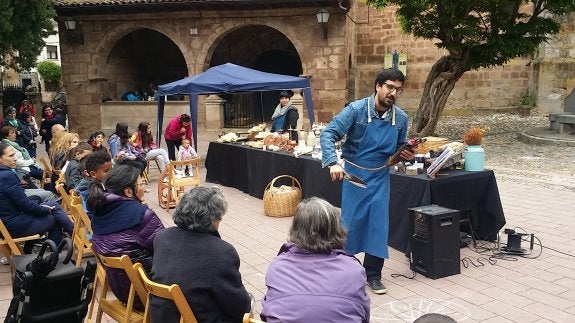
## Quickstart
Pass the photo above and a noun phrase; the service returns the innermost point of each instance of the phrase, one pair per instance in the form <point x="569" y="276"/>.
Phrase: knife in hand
<point x="355" y="180"/>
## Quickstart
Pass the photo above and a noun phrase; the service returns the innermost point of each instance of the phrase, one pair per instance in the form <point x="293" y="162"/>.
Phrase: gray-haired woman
<point x="193" y="255"/>
<point x="312" y="279"/>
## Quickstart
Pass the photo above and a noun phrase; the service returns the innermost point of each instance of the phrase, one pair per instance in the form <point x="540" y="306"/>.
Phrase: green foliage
<point x="481" y="33"/>
<point x="527" y="101"/>
<point x="50" y="72"/>
<point x="23" y="26"/>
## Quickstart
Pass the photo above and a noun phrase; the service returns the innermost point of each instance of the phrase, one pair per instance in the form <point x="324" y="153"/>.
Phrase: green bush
<point x="50" y="72"/>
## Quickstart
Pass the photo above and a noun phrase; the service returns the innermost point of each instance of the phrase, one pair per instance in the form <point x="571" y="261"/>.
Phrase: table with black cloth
<point x="474" y="193"/>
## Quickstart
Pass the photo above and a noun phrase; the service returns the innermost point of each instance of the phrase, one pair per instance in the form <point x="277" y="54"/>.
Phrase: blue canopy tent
<point x="228" y="78"/>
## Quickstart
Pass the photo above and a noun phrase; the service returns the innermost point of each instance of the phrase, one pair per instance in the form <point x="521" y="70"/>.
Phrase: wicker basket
<point x="281" y="201"/>
<point x="430" y="143"/>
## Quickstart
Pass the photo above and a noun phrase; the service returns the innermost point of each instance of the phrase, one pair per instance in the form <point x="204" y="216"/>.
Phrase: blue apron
<point x="365" y="211"/>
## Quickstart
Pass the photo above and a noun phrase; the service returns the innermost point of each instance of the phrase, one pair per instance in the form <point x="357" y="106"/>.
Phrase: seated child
<point x="97" y="140"/>
<point x="187" y="152"/>
<point x="73" y="174"/>
<point x="94" y="167"/>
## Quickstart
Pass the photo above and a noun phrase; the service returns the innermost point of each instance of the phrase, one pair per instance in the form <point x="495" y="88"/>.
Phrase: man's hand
<point x="336" y="172"/>
<point x="408" y="154"/>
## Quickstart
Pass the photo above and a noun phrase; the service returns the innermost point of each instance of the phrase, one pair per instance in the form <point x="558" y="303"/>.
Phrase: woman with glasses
<point x="121" y="223"/>
<point x="376" y="128"/>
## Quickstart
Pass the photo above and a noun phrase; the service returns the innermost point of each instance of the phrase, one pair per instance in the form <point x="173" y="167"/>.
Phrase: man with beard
<point x="376" y="128"/>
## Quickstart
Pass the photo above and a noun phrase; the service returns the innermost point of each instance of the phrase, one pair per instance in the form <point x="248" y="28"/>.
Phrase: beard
<point x="386" y="101"/>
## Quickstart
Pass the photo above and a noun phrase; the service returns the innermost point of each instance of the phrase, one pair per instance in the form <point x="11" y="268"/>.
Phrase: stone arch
<point x="111" y="38"/>
<point x="211" y="43"/>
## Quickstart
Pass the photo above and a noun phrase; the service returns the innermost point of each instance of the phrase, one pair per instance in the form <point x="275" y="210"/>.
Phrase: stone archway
<point x="262" y="48"/>
<point x="133" y="65"/>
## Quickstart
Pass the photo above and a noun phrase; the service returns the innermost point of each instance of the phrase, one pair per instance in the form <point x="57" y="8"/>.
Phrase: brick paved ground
<point x="522" y="290"/>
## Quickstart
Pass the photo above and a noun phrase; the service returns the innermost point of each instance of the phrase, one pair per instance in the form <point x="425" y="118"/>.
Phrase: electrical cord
<point x="413" y="274"/>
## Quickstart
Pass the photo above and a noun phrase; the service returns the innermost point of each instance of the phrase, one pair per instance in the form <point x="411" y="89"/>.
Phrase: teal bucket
<point x="474" y="158"/>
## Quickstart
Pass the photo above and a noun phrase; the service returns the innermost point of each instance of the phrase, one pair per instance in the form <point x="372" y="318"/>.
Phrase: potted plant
<point x="474" y="153"/>
<point x="526" y="104"/>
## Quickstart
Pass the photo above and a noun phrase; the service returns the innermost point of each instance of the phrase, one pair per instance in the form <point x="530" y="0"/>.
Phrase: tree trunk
<point x="440" y="82"/>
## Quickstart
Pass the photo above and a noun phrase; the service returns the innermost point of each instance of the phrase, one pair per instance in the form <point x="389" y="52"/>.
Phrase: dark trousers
<point x="373" y="266"/>
<point x="172" y="146"/>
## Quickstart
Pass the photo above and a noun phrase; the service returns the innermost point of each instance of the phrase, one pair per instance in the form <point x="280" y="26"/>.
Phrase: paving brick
<point x="550" y="313"/>
<point x="509" y="313"/>
<point x="547" y="299"/>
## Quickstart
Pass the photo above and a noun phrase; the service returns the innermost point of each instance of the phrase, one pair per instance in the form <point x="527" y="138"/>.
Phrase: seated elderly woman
<point x="312" y="279"/>
<point x="21" y="215"/>
<point x="193" y="255"/>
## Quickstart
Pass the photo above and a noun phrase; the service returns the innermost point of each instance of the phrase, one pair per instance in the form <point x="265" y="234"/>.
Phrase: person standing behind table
<point x="20" y="214"/>
<point x="122" y="224"/>
<point x="376" y="128"/>
<point x="179" y="128"/>
<point x="312" y="279"/>
<point x="194" y="256"/>
<point x="49" y="119"/>
<point x="285" y="116"/>
<point x="144" y="140"/>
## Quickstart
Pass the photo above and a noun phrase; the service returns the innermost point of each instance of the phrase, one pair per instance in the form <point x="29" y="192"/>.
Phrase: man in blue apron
<point x="376" y="128"/>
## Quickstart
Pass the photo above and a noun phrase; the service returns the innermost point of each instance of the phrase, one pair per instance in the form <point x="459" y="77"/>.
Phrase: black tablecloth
<point x="250" y="170"/>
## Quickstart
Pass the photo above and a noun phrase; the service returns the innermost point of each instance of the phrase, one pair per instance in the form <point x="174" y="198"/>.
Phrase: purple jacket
<point x="124" y="227"/>
<point x="312" y="287"/>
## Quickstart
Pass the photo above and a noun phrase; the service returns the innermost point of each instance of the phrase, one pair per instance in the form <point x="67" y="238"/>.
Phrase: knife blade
<point x="355" y="180"/>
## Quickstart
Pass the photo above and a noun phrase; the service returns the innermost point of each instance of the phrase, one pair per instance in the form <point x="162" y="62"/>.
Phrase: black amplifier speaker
<point x="435" y="241"/>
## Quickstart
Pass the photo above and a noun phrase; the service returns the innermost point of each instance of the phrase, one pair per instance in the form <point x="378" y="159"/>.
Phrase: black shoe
<point x="376" y="286"/>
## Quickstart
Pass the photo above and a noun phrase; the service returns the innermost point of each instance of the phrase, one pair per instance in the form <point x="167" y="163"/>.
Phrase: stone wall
<point x="342" y="68"/>
<point x="555" y="68"/>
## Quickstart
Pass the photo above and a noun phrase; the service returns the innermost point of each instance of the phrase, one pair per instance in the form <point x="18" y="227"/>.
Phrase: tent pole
<point x="262" y="105"/>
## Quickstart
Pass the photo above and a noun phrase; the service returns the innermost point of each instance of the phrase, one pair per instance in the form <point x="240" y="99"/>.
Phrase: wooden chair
<point x="65" y="203"/>
<point x="249" y="318"/>
<point x="146" y="174"/>
<point x="116" y="309"/>
<point x="46" y="172"/>
<point x="173" y="292"/>
<point x="179" y="183"/>
<point x="164" y="194"/>
<point x="82" y="230"/>
<point x="11" y="246"/>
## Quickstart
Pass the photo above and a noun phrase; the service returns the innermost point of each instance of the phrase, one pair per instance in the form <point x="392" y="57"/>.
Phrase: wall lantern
<point x="322" y="18"/>
<point x="74" y="34"/>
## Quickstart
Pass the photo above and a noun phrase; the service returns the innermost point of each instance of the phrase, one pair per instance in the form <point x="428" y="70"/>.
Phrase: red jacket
<point x="173" y="130"/>
<point x="30" y="109"/>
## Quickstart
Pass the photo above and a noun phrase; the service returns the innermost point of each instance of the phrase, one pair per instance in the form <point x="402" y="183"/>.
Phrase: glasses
<point x="391" y="88"/>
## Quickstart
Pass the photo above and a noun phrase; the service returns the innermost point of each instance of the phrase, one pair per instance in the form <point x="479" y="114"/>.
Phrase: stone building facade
<point x="135" y="43"/>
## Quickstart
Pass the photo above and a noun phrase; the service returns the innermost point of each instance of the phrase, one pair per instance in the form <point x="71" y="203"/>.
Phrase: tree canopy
<point x="23" y="26"/>
<point x="475" y="34"/>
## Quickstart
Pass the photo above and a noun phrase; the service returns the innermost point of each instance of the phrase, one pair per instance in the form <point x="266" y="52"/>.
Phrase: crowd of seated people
<point x="311" y="278"/>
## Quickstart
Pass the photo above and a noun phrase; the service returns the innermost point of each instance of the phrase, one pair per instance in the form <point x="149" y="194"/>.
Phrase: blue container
<point x="474" y="158"/>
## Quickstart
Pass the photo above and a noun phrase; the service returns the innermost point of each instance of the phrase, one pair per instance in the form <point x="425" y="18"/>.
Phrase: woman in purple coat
<point x="312" y="279"/>
<point x="122" y="224"/>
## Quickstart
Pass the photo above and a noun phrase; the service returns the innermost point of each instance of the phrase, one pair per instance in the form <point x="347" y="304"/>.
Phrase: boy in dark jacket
<point x="93" y="167"/>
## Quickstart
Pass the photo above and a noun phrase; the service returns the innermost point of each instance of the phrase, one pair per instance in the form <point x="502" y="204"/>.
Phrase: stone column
<point x="297" y="100"/>
<point x="214" y="112"/>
